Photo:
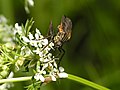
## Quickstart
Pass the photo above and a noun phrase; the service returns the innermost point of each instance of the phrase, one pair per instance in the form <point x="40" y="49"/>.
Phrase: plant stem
<point x="86" y="82"/>
<point x="72" y="77"/>
<point x="15" y="79"/>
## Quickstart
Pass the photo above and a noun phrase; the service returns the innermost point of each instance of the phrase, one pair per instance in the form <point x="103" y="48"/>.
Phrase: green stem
<point x="86" y="82"/>
<point x="72" y="77"/>
<point x="15" y="79"/>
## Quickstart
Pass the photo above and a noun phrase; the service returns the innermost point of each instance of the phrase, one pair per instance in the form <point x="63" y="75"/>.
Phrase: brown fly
<point x="63" y="35"/>
<point x="64" y="32"/>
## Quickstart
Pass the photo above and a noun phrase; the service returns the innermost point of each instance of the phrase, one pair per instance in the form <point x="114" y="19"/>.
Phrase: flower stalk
<point x="20" y="79"/>
<point x="86" y="82"/>
<point x="70" y="76"/>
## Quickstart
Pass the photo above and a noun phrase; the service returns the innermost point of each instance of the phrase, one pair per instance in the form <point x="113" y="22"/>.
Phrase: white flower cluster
<point x="46" y="65"/>
<point x="5" y="30"/>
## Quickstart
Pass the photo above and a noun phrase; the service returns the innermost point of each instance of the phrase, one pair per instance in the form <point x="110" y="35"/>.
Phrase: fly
<point x="63" y="35"/>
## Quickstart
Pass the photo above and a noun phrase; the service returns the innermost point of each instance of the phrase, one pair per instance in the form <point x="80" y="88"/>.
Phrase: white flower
<point x="44" y="66"/>
<point x="41" y="36"/>
<point x="42" y="59"/>
<point x="44" y="42"/>
<point x="50" y="65"/>
<point x="61" y="69"/>
<point x="38" y="76"/>
<point x="49" y="55"/>
<point x="23" y="48"/>
<point x="42" y="78"/>
<point x="52" y="75"/>
<point x="11" y="75"/>
<point x="55" y="70"/>
<point x="63" y="75"/>
<point x="41" y="54"/>
<point x="44" y="72"/>
<point x="25" y="39"/>
<point x="37" y="31"/>
<point x="47" y="48"/>
<point x="53" y="78"/>
<point x="18" y="29"/>
<point x="51" y="45"/>
<point x="39" y="44"/>
<point x="37" y="36"/>
<point x="30" y="36"/>
<point x="46" y="60"/>
<point x="33" y="43"/>
<point x="55" y="64"/>
<point x="17" y="26"/>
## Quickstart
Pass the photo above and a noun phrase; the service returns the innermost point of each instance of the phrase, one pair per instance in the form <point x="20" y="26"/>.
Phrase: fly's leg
<point x="61" y="54"/>
<point x="50" y="34"/>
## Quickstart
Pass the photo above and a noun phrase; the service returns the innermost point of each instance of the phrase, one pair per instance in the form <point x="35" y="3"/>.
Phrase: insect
<point x="64" y="32"/>
<point x="63" y="35"/>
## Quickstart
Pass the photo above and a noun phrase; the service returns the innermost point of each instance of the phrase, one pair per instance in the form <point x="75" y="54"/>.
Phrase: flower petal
<point x="42" y="78"/>
<point x="45" y="42"/>
<point x="63" y="75"/>
<point x="25" y="39"/>
<point x="30" y="36"/>
<point x="37" y="36"/>
<point x="53" y="78"/>
<point x="61" y="69"/>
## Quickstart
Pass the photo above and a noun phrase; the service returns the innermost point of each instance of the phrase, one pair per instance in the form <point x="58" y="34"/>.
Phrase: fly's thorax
<point x="58" y="39"/>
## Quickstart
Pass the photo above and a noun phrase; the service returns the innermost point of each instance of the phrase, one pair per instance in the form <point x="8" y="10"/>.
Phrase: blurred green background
<point x="94" y="49"/>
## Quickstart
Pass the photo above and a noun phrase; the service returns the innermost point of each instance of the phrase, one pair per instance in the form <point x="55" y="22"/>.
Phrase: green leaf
<point x="28" y="26"/>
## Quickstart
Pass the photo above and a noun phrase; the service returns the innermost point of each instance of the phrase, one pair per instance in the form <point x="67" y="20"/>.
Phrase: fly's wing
<point x="50" y="33"/>
<point x="66" y="24"/>
<point x="67" y="28"/>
